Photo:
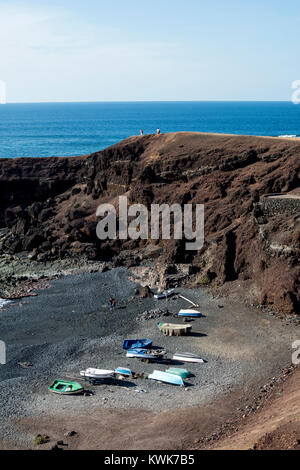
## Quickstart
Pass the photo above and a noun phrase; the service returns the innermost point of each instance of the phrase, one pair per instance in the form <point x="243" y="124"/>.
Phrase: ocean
<point x="65" y="129"/>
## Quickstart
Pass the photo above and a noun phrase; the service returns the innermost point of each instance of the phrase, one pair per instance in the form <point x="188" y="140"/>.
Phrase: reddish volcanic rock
<point x="49" y="205"/>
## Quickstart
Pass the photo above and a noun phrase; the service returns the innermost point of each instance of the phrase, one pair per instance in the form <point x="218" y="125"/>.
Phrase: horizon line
<point x="150" y="101"/>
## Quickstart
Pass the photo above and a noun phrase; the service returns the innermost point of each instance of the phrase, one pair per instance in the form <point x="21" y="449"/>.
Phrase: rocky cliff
<point x="48" y="207"/>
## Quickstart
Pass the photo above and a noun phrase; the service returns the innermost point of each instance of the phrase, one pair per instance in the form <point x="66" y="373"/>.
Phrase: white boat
<point x="97" y="373"/>
<point x="146" y="353"/>
<point x="190" y="313"/>
<point x="165" y="294"/>
<point x="187" y="357"/>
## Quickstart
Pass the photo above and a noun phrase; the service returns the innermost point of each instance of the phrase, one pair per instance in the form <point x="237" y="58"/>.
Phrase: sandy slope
<point x="276" y="426"/>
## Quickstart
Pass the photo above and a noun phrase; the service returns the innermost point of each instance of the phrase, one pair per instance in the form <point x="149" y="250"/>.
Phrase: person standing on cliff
<point x="141" y="132"/>
<point x="157" y="131"/>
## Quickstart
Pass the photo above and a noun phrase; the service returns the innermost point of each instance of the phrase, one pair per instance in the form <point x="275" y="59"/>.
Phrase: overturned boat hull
<point x="166" y="378"/>
<point x="183" y="373"/>
<point x="190" y="313"/>
<point x="174" y="329"/>
<point x="97" y="373"/>
<point x="188" y="357"/>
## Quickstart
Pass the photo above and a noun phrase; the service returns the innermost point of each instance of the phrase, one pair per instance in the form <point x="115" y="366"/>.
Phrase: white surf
<point x="3" y="302"/>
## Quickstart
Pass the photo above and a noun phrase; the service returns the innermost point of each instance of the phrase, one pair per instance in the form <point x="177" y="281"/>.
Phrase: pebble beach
<point x="69" y="326"/>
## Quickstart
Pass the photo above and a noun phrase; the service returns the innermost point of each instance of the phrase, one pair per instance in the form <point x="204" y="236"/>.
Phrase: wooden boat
<point x="137" y="343"/>
<point x="187" y="357"/>
<point x="183" y="373"/>
<point x="65" y="388"/>
<point x="123" y="371"/>
<point x="173" y="329"/>
<point x="190" y="313"/>
<point x="146" y="353"/>
<point x="167" y="378"/>
<point x="165" y="294"/>
<point x="97" y="373"/>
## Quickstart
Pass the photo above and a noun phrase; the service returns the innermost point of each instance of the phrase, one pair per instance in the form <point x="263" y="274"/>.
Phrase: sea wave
<point x="289" y="136"/>
<point x="3" y="302"/>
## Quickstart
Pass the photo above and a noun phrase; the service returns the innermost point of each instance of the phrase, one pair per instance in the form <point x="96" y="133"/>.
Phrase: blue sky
<point x="70" y="50"/>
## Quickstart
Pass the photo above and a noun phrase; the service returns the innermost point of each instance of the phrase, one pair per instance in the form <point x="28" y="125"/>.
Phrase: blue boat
<point x="137" y="344"/>
<point x="123" y="371"/>
<point x="167" y="378"/>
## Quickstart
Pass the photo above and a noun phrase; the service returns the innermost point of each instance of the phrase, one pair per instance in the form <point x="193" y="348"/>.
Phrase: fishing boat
<point x="137" y="344"/>
<point x="146" y="353"/>
<point x="123" y="371"/>
<point x="183" y="373"/>
<point x="187" y="357"/>
<point x="190" y="313"/>
<point x="65" y="388"/>
<point x="97" y="373"/>
<point x="165" y="294"/>
<point x="167" y="378"/>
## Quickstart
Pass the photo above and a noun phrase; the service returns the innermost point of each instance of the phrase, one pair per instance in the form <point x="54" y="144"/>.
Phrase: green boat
<point x="183" y="373"/>
<point x="65" y="388"/>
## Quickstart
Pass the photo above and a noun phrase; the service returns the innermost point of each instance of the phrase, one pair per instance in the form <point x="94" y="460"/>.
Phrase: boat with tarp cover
<point x="146" y="354"/>
<point x="137" y="343"/>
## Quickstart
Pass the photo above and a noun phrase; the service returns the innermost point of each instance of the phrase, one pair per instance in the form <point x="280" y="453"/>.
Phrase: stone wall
<point x="279" y="205"/>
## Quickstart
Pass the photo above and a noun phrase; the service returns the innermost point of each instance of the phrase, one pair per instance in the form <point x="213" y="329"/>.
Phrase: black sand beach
<point x="69" y="327"/>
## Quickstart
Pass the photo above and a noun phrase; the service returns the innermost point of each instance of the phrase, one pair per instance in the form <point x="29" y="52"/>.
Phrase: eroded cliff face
<point x="48" y="206"/>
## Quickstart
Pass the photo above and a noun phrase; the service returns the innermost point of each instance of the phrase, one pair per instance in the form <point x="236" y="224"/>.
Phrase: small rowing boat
<point x="190" y="313"/>
<point x="137" y="343"/>
<point x="97" y="373"/>
<point x="187" y="357"/>
<point x="167" y="378"/>
<point x="123" y="371"/>
<point x="64" y="387"/>
<point x="183" y="373"/>
<point x="165" y="294"/>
